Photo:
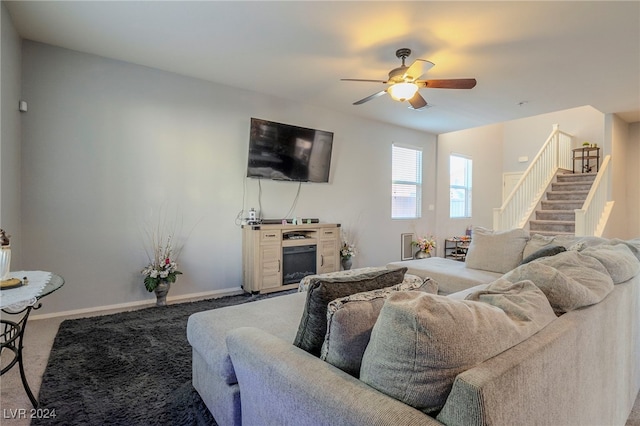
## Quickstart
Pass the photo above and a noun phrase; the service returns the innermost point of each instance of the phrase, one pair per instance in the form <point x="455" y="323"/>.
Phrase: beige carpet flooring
<point x="38" y="340"/>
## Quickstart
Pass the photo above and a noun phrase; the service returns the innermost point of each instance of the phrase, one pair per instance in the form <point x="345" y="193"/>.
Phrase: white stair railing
<point x="592" y="217"/>
<point x="519" y="206"/>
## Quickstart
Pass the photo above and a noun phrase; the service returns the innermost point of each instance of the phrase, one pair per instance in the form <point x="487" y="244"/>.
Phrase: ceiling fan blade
<point x="417" y="69"/>
<point x="417" y="101"/>
<point x="368" y="98"/>
<point x="366" y="81"/>
<point x="455" y="83"/>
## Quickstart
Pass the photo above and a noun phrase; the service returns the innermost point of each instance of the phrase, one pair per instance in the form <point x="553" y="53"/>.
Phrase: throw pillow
<point x="570" y="280"/>
<point x="350" y="320"/>
<point x="304" y="282"/>
<point x="496" y="251"/>
<point x="543" y="252"/>
<point x="421" y="342"/>
<point x="321" y="291"/>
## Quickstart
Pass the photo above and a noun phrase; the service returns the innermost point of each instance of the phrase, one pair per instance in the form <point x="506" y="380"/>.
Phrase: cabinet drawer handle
<point x="328" y="232"/>
<point x="321" y="260"/>
<point x="278" y="265"/>
<point x="269" y="235"/>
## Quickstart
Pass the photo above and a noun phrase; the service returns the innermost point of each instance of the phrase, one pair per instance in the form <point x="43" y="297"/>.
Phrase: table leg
<point x="11" y="338"/>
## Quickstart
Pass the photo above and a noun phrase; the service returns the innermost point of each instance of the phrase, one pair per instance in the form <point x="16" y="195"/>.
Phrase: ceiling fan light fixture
<point x="402" y="91"/>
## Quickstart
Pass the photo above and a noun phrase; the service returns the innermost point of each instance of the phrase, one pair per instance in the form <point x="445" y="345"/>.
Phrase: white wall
<point x="484" y="145"/>
<point x="622" y="188"/>
<point x="105" y="143"/>
<point x="633" y="177"/>
<point x="10" y="136"/>
<point x="524" y="137"/>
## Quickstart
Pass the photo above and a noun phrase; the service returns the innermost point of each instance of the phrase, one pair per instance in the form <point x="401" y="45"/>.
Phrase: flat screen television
<point x="284" y="152"/>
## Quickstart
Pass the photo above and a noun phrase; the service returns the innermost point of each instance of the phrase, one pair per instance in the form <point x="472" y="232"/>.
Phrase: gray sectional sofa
<point x="579" y="365"/>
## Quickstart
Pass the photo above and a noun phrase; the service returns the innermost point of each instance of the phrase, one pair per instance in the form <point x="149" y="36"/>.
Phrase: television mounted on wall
<point x="280" y="151"/>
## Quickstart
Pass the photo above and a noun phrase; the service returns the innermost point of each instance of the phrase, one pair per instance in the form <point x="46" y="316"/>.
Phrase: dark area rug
<point x="132" y="368"/>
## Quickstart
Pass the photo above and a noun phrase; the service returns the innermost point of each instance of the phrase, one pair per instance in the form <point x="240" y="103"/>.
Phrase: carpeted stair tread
<point x="562" y="204"/>
<point x="571" y="186"/>
<point x="552" y="225"/>
<point x="552" y="222"/>
<point x="567" y="195"/>
<point x="578" y="177"/>
<point x="549" y="233"/>
<point x="555" y="215"/>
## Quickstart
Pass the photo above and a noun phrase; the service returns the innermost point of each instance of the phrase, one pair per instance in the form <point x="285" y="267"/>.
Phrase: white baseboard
<point x="120" y="307"/>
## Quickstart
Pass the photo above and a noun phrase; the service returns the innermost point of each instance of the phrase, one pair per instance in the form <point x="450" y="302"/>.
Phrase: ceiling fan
<point x="404" y="82"/>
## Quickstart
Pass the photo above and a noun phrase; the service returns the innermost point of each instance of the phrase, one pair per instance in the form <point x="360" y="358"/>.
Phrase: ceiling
<point x="529" y="58"/>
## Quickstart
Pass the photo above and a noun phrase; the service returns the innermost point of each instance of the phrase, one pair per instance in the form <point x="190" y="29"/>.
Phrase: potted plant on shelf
<point x="424" y="245"/>
<point x="347" y="251"/>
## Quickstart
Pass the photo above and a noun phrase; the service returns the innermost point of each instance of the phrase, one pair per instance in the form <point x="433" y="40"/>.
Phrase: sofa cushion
<point x="207" y="330"/>
<point x="421" y="342"/>
<point x="634" y="245"/>
<point x="452" y="275"/>
<point x="322" y="290"/>
<point x="543" y="252"/>
<point x="620" y="262"/>
<point x="462" y="294"/>
<point x="350" y="320"/>
<point x="496" y="251"/>
<point x="570" y="280"/>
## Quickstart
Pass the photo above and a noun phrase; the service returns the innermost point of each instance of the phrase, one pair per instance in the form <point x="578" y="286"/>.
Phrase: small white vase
<point x="422" y="254"/>
<point x="5" y="262"/>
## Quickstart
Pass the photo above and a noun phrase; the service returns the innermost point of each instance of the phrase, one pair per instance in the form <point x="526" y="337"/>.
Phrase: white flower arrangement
<point x="162" y="267"/>
<point x="348" y="250"/>
<point x="162" y="254"/>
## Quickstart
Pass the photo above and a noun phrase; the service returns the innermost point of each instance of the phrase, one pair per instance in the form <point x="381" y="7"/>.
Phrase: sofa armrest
<point x="281" y="384"/>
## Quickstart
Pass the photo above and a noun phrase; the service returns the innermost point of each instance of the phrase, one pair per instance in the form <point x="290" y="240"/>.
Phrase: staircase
<point x="556" y="215"/>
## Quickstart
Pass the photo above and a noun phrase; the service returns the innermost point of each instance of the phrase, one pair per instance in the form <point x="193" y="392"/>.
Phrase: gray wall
<point x="108" y="144"/>
<point x="11" y="62"/>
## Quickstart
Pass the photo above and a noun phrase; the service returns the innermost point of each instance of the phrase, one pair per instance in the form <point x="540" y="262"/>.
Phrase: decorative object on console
<point x="424" y="245"/>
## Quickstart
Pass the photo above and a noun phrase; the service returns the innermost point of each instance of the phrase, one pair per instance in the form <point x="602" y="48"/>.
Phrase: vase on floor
<point x="422" y="254"/>
<point x="346" y="263"/>
<point x="161" y="290"/>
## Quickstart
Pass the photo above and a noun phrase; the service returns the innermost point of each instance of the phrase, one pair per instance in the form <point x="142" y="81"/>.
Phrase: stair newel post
<point x="580" y="223"/>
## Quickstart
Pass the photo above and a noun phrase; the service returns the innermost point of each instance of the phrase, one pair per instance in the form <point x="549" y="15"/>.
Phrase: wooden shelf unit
<point x="262" y="252"/>
<point x="456" y="248"/>
<point x="585" y="154"/>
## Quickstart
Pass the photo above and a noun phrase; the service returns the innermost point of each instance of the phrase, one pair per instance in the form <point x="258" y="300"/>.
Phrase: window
<point x="406" y="186"/>
<point x="460" y="186"/>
